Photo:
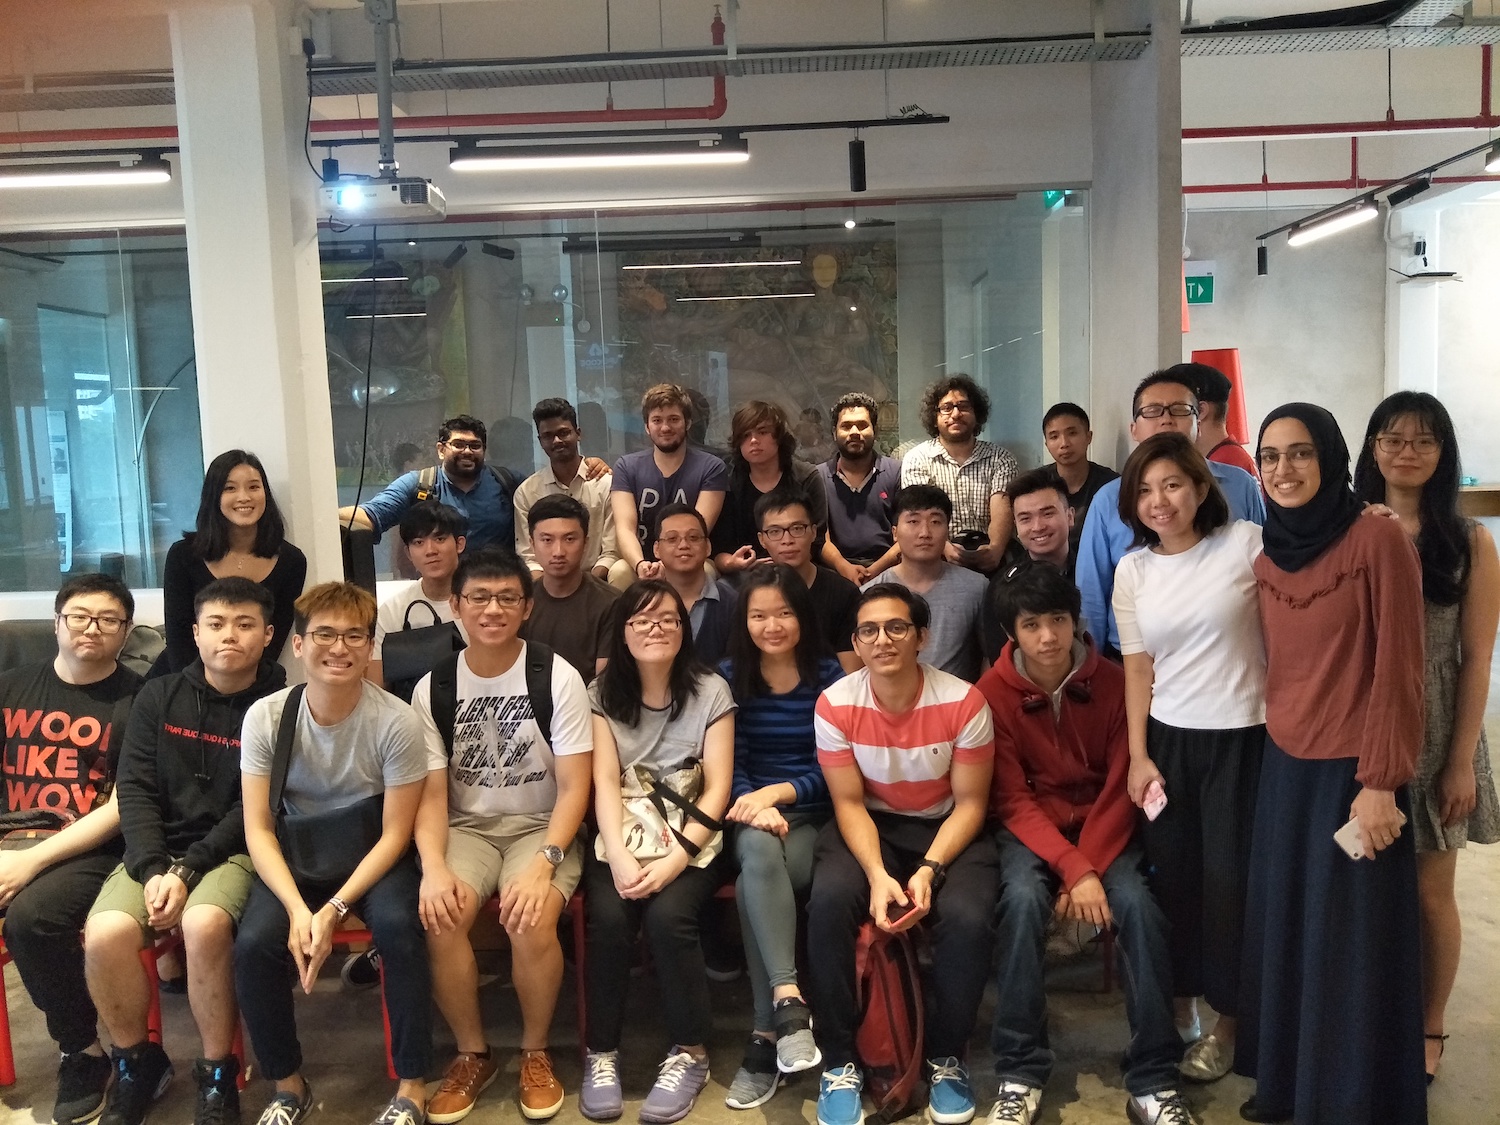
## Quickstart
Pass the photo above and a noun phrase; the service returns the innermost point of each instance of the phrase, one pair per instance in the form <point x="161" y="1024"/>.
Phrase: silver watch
<point x="552" y="854"/>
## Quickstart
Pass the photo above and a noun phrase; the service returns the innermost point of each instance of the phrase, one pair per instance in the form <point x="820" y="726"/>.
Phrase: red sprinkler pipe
<point x="609" y="115"/>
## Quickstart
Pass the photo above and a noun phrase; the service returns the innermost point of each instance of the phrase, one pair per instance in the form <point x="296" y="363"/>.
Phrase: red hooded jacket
<point x="1059" y="779"/>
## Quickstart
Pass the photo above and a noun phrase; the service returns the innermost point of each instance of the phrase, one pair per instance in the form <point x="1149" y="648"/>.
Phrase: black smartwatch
<point x="939" y="872"/>
<point x="188" y="876"/>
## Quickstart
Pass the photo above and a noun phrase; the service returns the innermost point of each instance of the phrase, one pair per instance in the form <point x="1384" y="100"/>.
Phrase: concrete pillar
<point x="248" y="201"/>
<point x="1135" y="235"/>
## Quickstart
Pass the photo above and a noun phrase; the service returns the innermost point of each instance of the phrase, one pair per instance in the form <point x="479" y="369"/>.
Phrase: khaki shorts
<point x="487" y="860"/>
<point x="226" y="886"/>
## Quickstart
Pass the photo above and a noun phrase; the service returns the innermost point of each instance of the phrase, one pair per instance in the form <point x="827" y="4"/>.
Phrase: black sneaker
<point x="142" y="1074"/>
<point x="218" y="1095"/>
<point x="82" y="1080"/>
<point x="361" y="970"/>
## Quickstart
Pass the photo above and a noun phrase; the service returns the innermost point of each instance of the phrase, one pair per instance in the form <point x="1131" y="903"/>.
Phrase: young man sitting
<point x="571" y="610"/>
<point x="355" y="777"/>
<point x="1067" y="848"/>
<point x="434" y="534"/>
<point x="185" y="862"/>
<point x="509" y="737"/>
<point x="682" y="548"/>
<point x="907" y="751"/>
<point x="63" y="720"/>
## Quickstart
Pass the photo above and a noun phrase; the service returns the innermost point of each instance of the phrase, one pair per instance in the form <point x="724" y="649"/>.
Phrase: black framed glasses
<point x="896" y="629"/>
<point x="80" y="622"/>
<point x="506" y="599"/>
<point x="352" y="638"/>
<point x="1175" y="409"/>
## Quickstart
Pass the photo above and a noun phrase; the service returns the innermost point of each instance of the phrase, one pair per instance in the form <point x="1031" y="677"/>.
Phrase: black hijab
<point x="1294" y="537"/>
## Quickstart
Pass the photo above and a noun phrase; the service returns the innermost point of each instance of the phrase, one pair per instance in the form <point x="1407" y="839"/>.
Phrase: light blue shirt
<point x="491" y="512"/>
<point x="1106" y="540"/>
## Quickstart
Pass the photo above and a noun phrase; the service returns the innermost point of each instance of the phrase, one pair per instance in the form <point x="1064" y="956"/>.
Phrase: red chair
<point x="7" y="1055"/>
<point x="347" y="938"/>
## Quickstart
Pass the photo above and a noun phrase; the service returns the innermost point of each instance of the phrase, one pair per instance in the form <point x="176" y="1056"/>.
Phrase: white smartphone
<point x="1347" y="838"/>
<point x="1156" y="800"/>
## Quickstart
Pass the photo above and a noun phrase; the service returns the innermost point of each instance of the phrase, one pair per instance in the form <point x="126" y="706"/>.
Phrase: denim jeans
<point x="1019" y="1036"/>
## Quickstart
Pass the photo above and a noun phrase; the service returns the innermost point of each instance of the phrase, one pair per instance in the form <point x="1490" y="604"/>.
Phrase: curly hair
<point x="934" y="395"/>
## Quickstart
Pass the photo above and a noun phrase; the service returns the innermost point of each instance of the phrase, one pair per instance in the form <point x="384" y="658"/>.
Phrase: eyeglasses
<point x="352" y="638"/>
<point x="507" y="599"/>
<point x="691" y="538"/>
<point x="964" y="407"/>
<point x="1175" y="409"/>
<point x="465" y="446"/>
<point x="80" y="622"/>
<point x="895" y="629"/>
<point x="776" y="533"/>
<point x="1300" y="457"/>
<point x="642" y="626"/>
<point x="1426" y="445"/>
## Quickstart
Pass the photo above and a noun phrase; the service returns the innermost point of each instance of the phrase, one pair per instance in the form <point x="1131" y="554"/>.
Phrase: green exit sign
<point x="1199" y="281"/>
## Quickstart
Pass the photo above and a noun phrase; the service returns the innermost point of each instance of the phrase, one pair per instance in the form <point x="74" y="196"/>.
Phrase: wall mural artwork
<point x="802" y="351"/>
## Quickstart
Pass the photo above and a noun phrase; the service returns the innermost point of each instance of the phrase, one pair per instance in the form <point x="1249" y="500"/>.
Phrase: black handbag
<point x="320" y="849"/>
<point x="408" y="655"/>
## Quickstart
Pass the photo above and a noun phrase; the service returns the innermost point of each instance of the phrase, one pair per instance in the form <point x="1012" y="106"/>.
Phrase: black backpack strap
<point x="504" y="478"/>
<point x="286" y="734"/>
<point x="539" y="687"/>
<point x="426" y="482"/>
<point x="442" y="698"/>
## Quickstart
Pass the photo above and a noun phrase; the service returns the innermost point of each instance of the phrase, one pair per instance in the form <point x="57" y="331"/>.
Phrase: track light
<point x="455" y="255"/>
<point x="494" y="251"/>
<point x="1360" y="211"/>
<point x="1262" y="260"/>
<point x="1492" y="158"/>
<point x="1408" y="191"/>
<point x="649" y="154"/>
<point x="856" y="165"/>
<point x="149" y="170"/>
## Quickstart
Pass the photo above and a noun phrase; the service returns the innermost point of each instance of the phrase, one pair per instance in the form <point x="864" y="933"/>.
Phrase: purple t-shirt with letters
<point x="637" y="474"/>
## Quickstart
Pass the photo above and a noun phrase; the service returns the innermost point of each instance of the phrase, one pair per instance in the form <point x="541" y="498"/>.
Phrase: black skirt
<point x="1331" y="1015"/>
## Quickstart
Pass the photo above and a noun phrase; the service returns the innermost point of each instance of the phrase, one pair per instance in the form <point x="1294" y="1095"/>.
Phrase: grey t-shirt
<point x="661" y="744"/>
<point x="957" y="600"/>
<point x="378" y="746"/>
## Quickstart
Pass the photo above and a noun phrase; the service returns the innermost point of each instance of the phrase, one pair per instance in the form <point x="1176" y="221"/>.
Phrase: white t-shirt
<point x="1198" y="616"/>
<point x="500" y="766"/>
<point x="392" y="613"/>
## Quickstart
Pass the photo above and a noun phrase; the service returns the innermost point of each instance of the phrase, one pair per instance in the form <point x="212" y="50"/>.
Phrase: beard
<point x="455" y="471"/>
<point x="669" y="446"/>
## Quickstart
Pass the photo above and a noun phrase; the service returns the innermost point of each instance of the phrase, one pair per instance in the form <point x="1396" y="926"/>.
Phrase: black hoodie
<point x="179" y="774"/>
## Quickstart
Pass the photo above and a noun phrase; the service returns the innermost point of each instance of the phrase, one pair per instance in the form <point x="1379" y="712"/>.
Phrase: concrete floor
<point x="341" y="1035"/>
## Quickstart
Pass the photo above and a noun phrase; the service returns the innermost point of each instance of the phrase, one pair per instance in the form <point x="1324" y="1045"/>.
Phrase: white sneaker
<point x="1191" y="1032"/>
<point x="1017" y="1105"/>
<point x="1165" y="1107"/>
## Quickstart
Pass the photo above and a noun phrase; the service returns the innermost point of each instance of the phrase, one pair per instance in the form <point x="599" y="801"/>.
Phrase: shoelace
<point x="395" y="1116"/>
<point x="536" y="1070"/>
<point x="1010" y="1107"/>
<point x="845" y="1078"/>
<point x="281" y="1112"/>
<point x="212" y="1108"/>
<point x="602" y="1069"/>
<point x="467" y="1071"/>
<point x="1174" y="1110"/>
<point x="674" y="1069"/>
<point x="948" y="1070"/>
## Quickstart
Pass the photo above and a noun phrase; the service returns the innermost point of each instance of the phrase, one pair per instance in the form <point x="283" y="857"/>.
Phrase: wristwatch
<point x="552" y="854"/>
<point x="188" y="876"/>
<point x="939" y="872"/>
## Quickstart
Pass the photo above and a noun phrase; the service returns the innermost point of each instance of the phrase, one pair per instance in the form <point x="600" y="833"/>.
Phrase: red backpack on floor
<point x="889" y="1039"/>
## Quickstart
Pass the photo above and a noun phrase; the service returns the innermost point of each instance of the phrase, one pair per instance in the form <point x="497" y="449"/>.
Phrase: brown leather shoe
<point x="465" y="1079"/>
<point x="541" y="1092"/>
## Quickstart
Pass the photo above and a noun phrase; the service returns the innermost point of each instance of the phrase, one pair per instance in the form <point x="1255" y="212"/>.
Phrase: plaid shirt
<point x="989" y="469"/>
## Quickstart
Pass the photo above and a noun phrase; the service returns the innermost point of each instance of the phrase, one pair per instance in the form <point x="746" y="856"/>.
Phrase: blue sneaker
<point x="839" y="1096"/>
<point x="950" y="1100"/>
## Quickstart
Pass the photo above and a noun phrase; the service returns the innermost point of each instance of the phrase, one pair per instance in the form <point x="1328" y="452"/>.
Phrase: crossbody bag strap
<point x="661" y="794"/>
<point x="286" y="734"/>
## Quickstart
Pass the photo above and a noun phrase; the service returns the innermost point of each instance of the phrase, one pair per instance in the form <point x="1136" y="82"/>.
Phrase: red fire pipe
<point x="608" y="115"/>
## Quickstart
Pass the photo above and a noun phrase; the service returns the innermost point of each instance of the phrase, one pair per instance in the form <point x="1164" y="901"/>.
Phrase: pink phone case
<point x="1156" y="800"/>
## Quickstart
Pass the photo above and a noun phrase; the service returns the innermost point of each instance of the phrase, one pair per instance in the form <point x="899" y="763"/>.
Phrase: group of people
<point x="1236" y="721"/>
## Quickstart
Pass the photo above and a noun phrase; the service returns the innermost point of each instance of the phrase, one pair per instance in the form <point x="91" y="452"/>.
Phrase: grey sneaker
<point x="757" y="1078"/>
<point x="287" y="1109"/>
<point x="678" y="1084"/>
<point x="1207" y="1060"/>
<point x="796" y="1049"/>
<point x="600" y="1097"/>
<point x="401" y="1111"/>
<point x="1017" y="1105"/>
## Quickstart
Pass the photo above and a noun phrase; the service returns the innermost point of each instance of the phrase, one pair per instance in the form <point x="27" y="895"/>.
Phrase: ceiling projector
<point x="401" y="199"/>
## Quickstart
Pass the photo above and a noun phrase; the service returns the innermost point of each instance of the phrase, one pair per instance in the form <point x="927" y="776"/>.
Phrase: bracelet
<point x="188" y="876"/>
<point x="340" y="907"/>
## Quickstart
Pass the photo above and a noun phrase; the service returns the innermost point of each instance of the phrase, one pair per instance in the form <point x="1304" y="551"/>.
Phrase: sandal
<point x="1442" y="1042"/>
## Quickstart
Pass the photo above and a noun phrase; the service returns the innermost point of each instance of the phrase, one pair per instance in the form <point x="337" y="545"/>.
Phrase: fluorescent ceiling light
<point x="747" y="297"/>
<point x="380" y="316"/>
<point x="1360" y="212"/>
<point x="1492" y="158"/>
<point x="357" y="280"/>
<point x="651" y="154"/>
<point x="149" y="171"/>
<point x="716" y="265"/>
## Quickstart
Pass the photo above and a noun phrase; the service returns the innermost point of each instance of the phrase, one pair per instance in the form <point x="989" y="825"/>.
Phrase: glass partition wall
<point x="789" y="304"/>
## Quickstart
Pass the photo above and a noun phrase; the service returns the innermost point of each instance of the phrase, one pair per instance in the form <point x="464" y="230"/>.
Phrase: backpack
<point x="442" y="699"/>
<point x="888" y="1040"/>
<point x="427" y="481"/>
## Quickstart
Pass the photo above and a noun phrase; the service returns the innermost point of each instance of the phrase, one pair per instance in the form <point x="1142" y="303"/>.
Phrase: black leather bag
<point x="320" y="849"/>
<point x="407" y="656"/>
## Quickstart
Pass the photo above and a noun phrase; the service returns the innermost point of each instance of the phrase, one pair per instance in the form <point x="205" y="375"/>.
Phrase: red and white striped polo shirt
<point x="905" y="758"/>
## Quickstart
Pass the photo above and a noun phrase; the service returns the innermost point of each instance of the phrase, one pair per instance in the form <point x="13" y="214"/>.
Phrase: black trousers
<point x="961" y="926"/>
<point x="670" y="921"/>
<point x="43" y="931"/>
<point x="262" y="965"/>
<point x="1199" y="851"/>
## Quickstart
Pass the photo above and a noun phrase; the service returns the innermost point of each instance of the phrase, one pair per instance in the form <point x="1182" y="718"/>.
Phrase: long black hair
<point x="1443" y="542"/>
<point x="745" y="657"/>
<point x="211" y="540"/>
<point x="620" y="682"/>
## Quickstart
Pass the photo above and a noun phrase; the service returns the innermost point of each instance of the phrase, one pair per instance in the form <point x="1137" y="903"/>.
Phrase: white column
<point x="248" y="200"/>
<point x="1136" y="202"/>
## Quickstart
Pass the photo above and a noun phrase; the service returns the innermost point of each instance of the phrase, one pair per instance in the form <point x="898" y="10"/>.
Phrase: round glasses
<point x="896" y="630"/>
<point x="1300" y="457"/>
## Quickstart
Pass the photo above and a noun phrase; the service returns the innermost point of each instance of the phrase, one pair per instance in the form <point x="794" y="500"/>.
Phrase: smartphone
<point x="1156" y="800"/>
<point x="1347" y="838"/>
<point x="895" y="913"/>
